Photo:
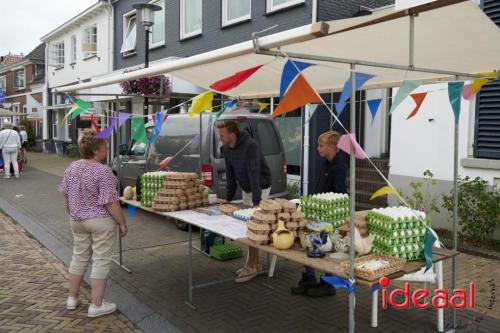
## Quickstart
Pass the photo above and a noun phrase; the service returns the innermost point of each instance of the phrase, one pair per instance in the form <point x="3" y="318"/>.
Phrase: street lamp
<point x="147" y="21"/>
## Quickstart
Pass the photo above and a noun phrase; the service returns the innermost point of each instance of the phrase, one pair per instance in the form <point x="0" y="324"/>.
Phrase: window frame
<point x="73" y="49"/>
<point x="14" y="72"/>
<point x="3" y="79"/>
<point x="58" y="47"/>
<point x="162" y="42"/>
<point x="90" y="41"/>
<point x="225" y="13"/>
<point x="126" y="18"/>
<point x="271" y="8"/>
<point x="182" y="30"/>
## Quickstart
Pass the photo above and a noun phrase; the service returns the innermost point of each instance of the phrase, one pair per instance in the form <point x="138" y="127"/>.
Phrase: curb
<point x="143" y="316"/>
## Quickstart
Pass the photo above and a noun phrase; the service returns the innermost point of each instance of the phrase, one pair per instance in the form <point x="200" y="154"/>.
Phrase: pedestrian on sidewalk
<point x="92" y="202"/>
<point x="10" y="143"/>
<point x="24" y="142"/>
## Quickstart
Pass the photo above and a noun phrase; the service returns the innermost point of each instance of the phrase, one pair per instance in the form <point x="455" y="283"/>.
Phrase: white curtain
<point x="237" y="8"/>
<point x="159" y="24"/>
<point x="130" y="37"/>
<point x="192" y="16"/>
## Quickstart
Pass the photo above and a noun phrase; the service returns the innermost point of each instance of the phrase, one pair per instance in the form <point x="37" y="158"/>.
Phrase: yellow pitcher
<point x="282" y="238"/>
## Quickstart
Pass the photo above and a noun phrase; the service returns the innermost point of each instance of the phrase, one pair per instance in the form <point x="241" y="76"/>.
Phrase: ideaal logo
<point x="460" y="298"/>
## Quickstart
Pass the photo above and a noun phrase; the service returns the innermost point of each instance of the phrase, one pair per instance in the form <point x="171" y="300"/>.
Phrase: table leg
<point x="440" y="312"/>
<point x="272" y="266"/>
<point x="375" y="308"/>
<point x="189" y="302"/>
<point x="120" y="249"/>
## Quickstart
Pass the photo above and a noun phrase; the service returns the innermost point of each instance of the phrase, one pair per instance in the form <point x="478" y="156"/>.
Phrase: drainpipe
<point x="110" y="11"/>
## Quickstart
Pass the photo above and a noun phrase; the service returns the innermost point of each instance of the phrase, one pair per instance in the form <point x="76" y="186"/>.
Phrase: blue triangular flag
<point x="373" y="105"/>
<point x="428" y="244"/>
<point x="360" y="79"/>
<point x="290" y="72"/>
<point x="157" y="129"/>
<point x="455" y="94"/>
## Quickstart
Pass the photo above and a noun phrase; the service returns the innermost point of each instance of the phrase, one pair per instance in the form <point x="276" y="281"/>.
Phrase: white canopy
<point x="452" y="38"/>
<point x="7" y="113"/>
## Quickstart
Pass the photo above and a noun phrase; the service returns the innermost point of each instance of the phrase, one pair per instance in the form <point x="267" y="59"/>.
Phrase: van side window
<point x="266" y="136"/>
<point x="175" y="134"/>
<point x="138" y="149"/>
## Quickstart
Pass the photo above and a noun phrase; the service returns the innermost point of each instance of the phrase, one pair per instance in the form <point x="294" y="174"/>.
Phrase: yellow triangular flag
<point x="73" y="109"/>
<point x="383" y="191"/>
<point x="477" y="84"/>
<point x="202" y="102"/>
<point x="263" y="106"/>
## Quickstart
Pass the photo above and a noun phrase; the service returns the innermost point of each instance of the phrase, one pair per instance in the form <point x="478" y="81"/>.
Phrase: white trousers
<point x="10" y="155"/>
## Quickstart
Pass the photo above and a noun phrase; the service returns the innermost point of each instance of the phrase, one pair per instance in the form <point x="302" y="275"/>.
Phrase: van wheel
<point x="181" y="225"/>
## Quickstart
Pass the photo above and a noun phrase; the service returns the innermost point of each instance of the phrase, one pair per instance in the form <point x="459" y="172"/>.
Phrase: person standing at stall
<point x="246" y="167"/>
<point x="331" y="179"/>
<point x="24" y="142"/>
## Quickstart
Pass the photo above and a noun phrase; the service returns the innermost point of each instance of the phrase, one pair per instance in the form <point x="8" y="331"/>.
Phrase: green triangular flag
<point x="406" y="88"/>
<point x="455" y="96"/>
<point x="82" y="106"/>
<point x="219" y="113"/>
<point x="139" y="130"/>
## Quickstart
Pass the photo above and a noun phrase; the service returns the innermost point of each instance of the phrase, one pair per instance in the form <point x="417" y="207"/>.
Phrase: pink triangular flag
<point x="345" y="145"/>
<point x="165" y="162"/>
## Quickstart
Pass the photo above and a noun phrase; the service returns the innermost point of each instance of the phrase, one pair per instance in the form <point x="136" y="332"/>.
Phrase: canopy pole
<point x="352" y="193"/>
<point x="305" y="171"/>
<point x="366" y="63"/>
<point x="455" y="217"/>
<point x="411" y="60"/>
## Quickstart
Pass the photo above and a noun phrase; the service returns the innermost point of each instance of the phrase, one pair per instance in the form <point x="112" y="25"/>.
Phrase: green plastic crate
<point x="226" y="252"/>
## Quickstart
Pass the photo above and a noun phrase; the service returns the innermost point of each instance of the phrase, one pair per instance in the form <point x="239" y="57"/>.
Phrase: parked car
<point x="204" y="158"/>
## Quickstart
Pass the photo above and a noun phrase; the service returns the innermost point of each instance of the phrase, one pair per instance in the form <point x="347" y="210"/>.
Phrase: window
<point x="54" y="124"/>
<point x="487" y="131"/>
<point x="19" y="79"/>
<point x="58" y="54"/>
<point x="73" y="49"/>
<point x="191" y="14"/>
<point x="158" y="30"/>
<point x="234" y="11"/>
<point x="274" y="5"/>
<point x="89" y="46"/>
<point x="3" y="83"/>
<point x="129" y="32"/>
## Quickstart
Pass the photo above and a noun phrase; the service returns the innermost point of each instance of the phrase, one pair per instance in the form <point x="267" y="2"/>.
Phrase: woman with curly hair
<point x="92" y="202"/>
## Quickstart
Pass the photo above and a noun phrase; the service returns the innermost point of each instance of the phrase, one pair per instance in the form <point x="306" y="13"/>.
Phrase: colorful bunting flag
<point x="202" y="102"/>
<point x="228" y="105"/>
<point x="383" y="191"/>
<point x="299" y="94"/>
<point x="82" y="106"/>
<point x="263" y="106"/>
<point x="157" y="128"/>
<point x="122" y="117"/>
<point x="344" y="144"/>
<point x="290" y="71"/>
<point x="234" y="80"/>
<point x="106" y="133"/>
<point x="373" y="105"/>
<point x="139" y="130"/>
<point x="428" y="245"/>
<point x="165" y="162"/>
<point x="312" y="110"/>
<point x="454" y="95"/>
<point x="195" y="140"/>
<point x="406" y="88"/>
<point x="472" y="89"/>
<point x="419" y="99"/>
<point x="94" y="124"/>
<point x="359" y="80"/>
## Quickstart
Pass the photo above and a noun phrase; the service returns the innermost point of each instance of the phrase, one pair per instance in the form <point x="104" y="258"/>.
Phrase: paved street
<point x="33" y="290"/>
<point x="156" y="252"/>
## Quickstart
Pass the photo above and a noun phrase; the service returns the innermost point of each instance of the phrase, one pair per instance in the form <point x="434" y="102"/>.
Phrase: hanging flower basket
<point x="147" y="86"/>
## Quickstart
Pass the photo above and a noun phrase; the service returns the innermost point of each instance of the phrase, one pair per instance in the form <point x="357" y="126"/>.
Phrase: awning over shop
<point x="449" y="36"/>
<point x="8" y="113"/>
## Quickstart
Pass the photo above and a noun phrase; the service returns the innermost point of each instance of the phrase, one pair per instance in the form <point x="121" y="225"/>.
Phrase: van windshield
<point x="174" y="135"/>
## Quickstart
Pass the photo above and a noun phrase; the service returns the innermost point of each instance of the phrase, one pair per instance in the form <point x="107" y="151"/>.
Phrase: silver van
<point x="204" y="157"/>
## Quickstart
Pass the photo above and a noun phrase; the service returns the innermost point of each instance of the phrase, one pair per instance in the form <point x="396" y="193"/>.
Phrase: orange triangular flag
<point x="418" y="98"/>
<point x="299" y="94"/>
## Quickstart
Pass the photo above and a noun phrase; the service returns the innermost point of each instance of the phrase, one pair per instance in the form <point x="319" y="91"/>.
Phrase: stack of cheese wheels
<point x="180" y="191"/>
<point x="265" y="220"/>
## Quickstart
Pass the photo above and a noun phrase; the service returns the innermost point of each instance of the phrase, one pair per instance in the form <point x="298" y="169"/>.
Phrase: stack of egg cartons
<point x="151" y="183"/>
<point x="327" y="207"/>
<point x="399" y="231"/>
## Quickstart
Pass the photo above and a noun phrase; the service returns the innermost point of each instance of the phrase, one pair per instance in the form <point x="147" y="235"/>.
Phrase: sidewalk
<point x="50" y="163"/>
<point x="33" y="290"/>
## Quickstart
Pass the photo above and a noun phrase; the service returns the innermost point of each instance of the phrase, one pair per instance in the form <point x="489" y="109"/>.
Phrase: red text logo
<point x="440" y="299"/>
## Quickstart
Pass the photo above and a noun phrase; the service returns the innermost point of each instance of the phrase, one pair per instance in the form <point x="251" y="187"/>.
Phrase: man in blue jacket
<point x="246" y="167"/>
<point x="331" y="179"/>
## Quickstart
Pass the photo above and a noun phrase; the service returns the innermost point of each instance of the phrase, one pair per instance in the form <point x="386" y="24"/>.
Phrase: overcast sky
<point x="23" y="22"/>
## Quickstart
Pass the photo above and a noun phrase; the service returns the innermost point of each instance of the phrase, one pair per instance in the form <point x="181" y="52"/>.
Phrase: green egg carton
<point x="226" y="252"/>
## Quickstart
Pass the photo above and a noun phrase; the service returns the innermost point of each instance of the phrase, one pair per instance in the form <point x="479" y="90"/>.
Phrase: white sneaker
<point x="72" y="303"/>
<point x="104" y="309"/>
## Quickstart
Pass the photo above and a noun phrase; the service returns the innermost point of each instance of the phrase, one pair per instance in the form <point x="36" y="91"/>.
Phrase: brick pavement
<point x="33" y="290"/>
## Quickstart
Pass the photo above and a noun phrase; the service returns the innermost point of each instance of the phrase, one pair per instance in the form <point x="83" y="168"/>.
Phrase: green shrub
<point x="424" y="202"/>
<point x="478" y="208"/>
<point x="29" y="130"/>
